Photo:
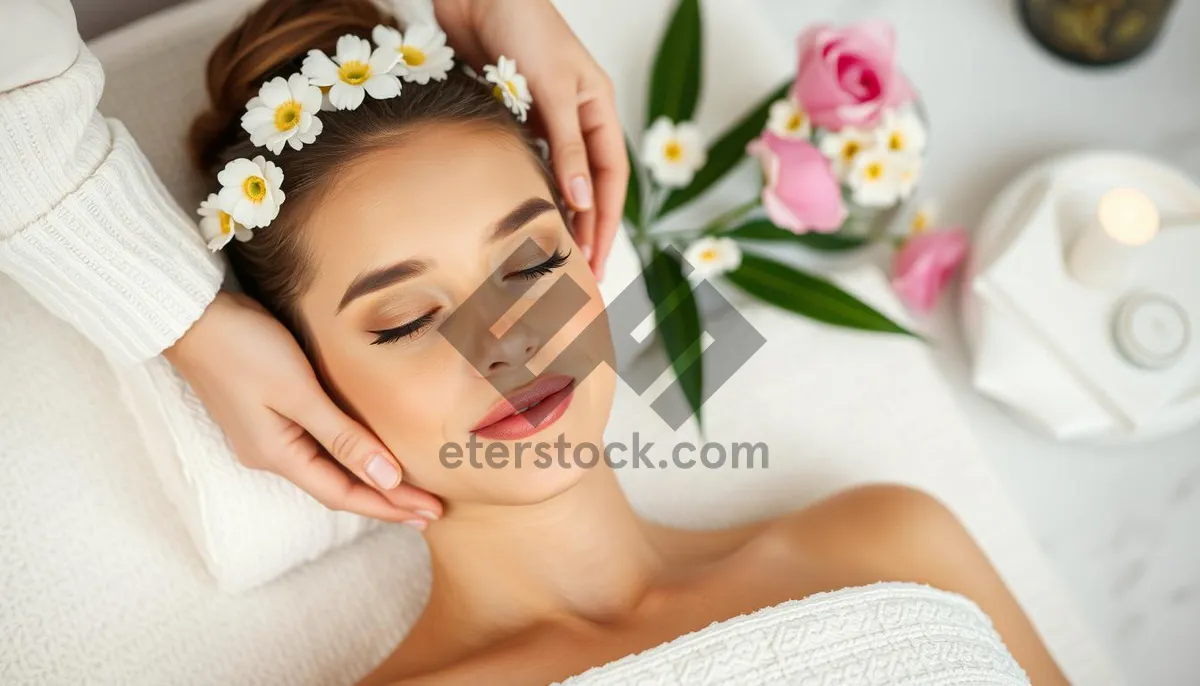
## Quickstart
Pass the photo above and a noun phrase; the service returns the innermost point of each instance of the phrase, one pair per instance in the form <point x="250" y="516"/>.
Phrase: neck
<point x="582" y="553"/>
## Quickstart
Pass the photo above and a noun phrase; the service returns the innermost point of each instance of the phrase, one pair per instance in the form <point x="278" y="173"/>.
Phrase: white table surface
<point x="1120" y="524"/>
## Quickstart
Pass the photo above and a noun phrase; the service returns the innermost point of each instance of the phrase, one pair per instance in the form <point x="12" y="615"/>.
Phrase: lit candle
<point x="1126" y="219"/>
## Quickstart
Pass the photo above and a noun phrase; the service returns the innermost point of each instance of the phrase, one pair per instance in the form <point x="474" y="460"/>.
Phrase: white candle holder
<point x="1080" y="300"/>
<point x="1105" y="251"/>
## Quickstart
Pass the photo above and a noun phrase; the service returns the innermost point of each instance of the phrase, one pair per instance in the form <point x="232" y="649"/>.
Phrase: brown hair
<point x="273" y="266"/>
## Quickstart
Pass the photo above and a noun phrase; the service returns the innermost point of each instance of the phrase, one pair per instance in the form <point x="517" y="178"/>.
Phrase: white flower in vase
<point x="902" y="132"/>
<point x="875" y="178"/>
<point x="673" y="152"/>
<point x="910" y="165"/>
<point x="924" y="218"/>
<point x="711" y="257"/>
<point x="920" y="220"/>
<point x="787" y="120"/>
<point x="844" y="147"/>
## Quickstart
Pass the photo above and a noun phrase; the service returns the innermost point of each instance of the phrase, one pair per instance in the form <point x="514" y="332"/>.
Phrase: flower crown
<point x="285" y="113"/>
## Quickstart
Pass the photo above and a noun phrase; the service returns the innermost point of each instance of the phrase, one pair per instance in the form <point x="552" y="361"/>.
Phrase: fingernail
<point x="587" y="252"/>
<point x="382" y="472"/>
<point x="427" y="515"/>
<point x="581" y="193"/>
<point x="418" y="524"/>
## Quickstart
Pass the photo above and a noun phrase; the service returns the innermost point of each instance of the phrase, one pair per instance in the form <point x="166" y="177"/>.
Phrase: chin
<point x="540" y="466"/>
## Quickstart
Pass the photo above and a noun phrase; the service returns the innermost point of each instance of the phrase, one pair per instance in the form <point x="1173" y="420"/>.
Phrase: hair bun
<point x="271" y="41"/>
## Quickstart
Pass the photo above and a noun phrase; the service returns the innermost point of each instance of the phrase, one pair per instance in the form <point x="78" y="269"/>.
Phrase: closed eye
<point x="403" y="331"/>
<point x="537" y="271"/>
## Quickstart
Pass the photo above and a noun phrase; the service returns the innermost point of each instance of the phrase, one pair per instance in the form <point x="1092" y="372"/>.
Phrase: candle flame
<point x="1129" y="216"/>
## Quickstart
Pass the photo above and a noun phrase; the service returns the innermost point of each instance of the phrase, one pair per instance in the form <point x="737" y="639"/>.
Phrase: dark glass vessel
<point x="1095" y="32"/>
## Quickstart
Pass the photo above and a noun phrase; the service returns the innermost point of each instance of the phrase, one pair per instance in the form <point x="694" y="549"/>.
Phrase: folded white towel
<point x="884" y="635"/>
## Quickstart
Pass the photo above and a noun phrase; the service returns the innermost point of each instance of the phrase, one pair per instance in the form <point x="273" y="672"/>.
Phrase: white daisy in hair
<point x="354" y="72"/>
<point x="217" y="226"/>
<point x="787" y="120"/>
<point x="875" y="178"/>
<point x="284" y="112"/>
<point x="510" y="86"/>
<point x="843" y="147"/>
<point x="711" y="257"/>
<point x="673" y="152"/>
<point x="901" y="132"/>
<point x="326" y="106"/>
<point x="250" y="191"/>
<point x="423" y="52"/>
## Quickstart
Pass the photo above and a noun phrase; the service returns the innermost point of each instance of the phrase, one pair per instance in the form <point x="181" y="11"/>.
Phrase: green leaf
<point x="829" y="242"/>
<point x="726" y="152"/>
<point x="675" y="81"/>
<point x="765" y="230"/>
<point x="808" y="295"/>
<point x="633" y="193"/>
<point x="678" y="322"/>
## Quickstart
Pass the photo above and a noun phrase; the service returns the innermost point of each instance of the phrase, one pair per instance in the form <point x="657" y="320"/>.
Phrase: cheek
<point x="583" y="349"/>
<point x="401" y="395"/>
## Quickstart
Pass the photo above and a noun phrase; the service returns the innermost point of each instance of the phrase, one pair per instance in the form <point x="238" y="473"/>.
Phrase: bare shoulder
<point x="897" y="533"/>
<point x="884" y="527"/>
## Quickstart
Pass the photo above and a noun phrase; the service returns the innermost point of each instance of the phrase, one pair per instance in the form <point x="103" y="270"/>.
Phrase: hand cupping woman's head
<point x="400" y="213"/>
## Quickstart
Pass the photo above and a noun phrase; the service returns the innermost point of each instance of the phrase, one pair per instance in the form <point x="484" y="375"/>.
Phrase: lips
<point x="543" y="402"/>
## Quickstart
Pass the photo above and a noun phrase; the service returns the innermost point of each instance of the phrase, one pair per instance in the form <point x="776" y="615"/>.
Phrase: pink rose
<point x="802" y="194"/>
<point x="925" y="263"/>
<point x="849" y="77"/>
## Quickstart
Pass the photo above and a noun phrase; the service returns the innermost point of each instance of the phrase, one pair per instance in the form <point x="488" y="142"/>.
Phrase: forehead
<point x="437" y="192"/>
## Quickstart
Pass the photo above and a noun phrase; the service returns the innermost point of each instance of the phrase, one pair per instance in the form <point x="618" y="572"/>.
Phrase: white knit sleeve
<point x="85" y="224"/>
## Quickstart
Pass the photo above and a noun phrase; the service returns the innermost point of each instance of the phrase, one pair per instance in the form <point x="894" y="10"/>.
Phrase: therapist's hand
<point x="260" y="389"/>
<point x="572" y="100"/>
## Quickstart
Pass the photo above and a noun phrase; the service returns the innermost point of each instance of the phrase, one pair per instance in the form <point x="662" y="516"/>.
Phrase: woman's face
<point x="448" y="294"/>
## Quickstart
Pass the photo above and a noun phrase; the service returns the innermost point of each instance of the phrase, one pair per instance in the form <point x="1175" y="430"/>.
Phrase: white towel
<point x="885" y="634"/>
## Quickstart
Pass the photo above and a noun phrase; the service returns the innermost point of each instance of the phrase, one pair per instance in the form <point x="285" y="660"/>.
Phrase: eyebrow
<point x="381" y="278"/>
<point x="378" y="279"/>
<point x="524" y="213"/>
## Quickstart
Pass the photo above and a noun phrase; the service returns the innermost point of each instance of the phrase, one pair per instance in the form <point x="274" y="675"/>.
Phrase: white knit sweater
<point x="85" y="225"/>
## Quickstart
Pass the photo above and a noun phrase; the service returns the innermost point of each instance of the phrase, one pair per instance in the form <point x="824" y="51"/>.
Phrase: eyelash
<point x="537" y="271"/>
<point x="418" y="325"/>
<point x="408" y="330"/>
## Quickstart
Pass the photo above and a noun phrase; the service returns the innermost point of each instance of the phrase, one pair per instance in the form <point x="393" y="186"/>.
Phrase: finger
<point x="584" y="230"/>
<point x="560" y="116"/>
<point x="331" y="486"/>
<point x="356" y="448"/>
<point x="610" y="171"/>
<point x="460" y="35"/>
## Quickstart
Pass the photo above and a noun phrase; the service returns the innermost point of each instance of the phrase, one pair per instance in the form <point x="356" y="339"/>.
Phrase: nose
<point x="511" y="350"/>
<point x="491" y="332"/>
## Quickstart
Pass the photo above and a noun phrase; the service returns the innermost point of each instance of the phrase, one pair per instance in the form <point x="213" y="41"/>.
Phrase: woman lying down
<point x="389" y="223"/>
